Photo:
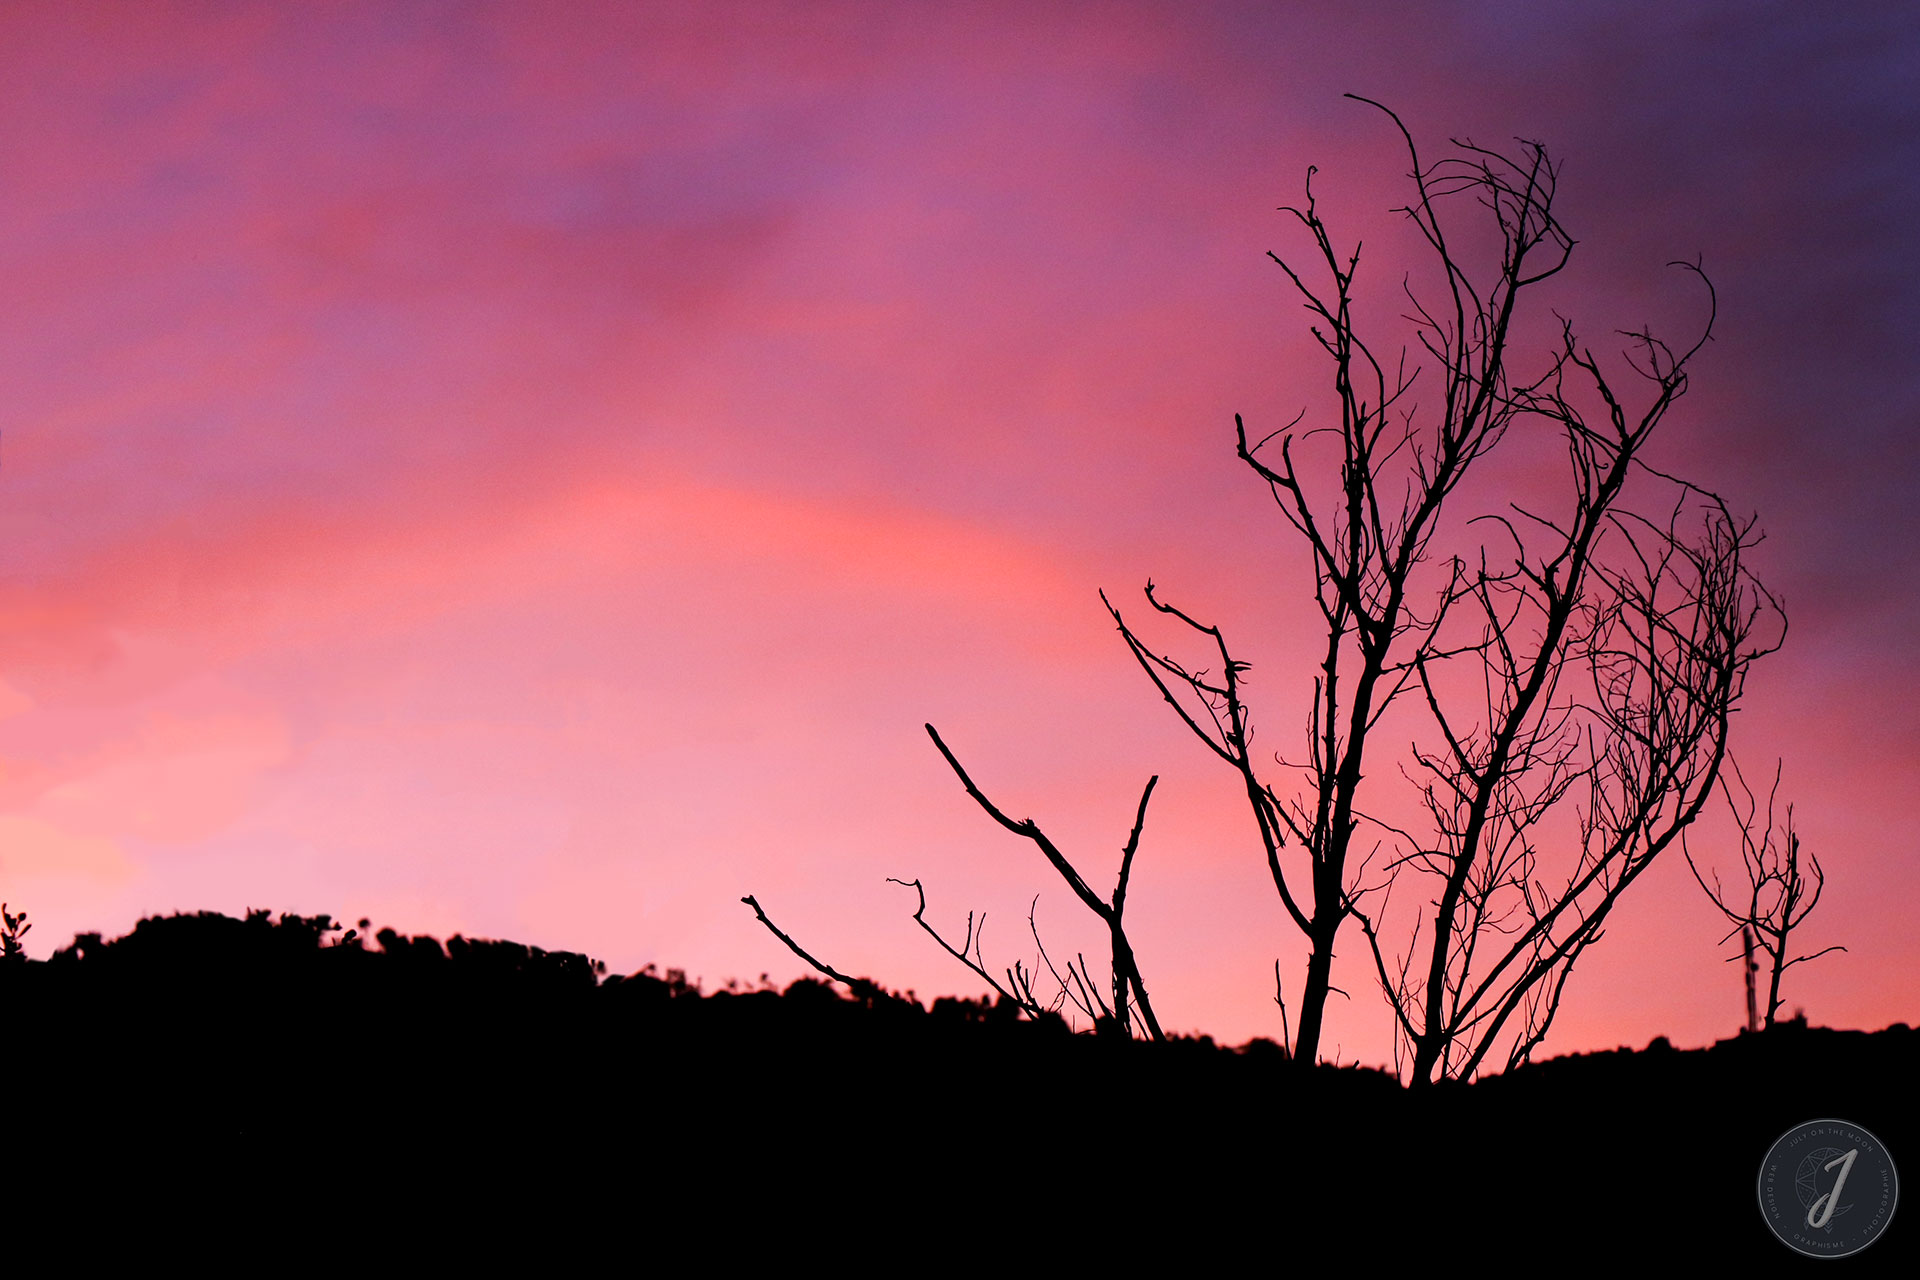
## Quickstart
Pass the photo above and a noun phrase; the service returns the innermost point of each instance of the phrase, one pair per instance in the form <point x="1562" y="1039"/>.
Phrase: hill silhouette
<point x="291" y="1079"/>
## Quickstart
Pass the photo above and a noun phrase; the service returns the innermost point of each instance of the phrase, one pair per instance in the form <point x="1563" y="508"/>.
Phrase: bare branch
<point x="968" y="953"/>
<point x="859" y="986"/>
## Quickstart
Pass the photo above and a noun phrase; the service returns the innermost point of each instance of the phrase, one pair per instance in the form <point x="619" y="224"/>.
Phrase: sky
<point x="532" y="470"/>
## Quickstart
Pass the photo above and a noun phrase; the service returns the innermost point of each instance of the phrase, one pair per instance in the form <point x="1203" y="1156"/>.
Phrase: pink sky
<point x="531" y="471"/>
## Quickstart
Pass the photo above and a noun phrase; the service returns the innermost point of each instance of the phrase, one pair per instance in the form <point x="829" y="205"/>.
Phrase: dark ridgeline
<point x="277" y="1077"/>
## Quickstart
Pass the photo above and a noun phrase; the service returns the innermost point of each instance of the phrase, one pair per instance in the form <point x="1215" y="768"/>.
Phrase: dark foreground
<point x="254" y="1081"/>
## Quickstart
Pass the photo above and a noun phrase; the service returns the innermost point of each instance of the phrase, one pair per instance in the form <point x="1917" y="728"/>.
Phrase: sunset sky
<point x="531" y="470"/>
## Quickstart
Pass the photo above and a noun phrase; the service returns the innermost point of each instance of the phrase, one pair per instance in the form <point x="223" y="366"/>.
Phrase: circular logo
<point x="1828" y="1188"/>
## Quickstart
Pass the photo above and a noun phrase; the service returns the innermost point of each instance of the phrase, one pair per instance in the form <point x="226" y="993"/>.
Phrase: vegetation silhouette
<point x="1781" y="891"/>
<point x="269" y="1065"/>
<point x="13" y="931"/>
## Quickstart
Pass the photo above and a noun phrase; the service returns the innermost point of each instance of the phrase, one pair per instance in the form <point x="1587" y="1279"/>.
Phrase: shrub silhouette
<point x="13" y="928"/>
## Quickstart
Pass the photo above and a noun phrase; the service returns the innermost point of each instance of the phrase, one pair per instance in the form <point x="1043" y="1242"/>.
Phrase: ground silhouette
<point x="291" y="1079"/>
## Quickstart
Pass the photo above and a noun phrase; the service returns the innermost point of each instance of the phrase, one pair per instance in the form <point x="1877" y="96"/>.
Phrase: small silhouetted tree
<point x="1781" y="885"/>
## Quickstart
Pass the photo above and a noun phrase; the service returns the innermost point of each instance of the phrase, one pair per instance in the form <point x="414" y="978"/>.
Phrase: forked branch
<point x="1129" y="990"/>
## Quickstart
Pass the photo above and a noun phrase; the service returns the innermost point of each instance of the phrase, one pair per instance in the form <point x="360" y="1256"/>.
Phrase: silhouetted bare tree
<point x="1567" y="678"/>
<point x="1572" y="675"/>
<point x="1778" y="894"/>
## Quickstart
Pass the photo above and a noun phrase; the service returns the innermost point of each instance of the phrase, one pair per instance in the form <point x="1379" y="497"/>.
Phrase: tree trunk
<point x="1313" y="999"/>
